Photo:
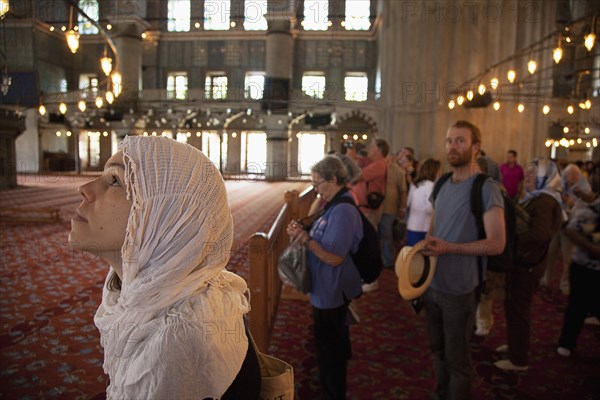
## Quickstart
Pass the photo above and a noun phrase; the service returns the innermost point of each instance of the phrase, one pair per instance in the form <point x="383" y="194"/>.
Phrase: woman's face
<point x="327" y="189"/>
<point x="101" y="219"/>
<point x="530" y="181"/>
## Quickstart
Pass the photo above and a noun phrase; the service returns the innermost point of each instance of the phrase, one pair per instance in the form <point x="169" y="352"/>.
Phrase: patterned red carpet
<point x="391" y="358"/>
<point x="49" y="346"/>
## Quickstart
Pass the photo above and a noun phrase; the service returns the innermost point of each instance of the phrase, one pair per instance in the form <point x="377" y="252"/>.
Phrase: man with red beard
<point x="451" y="300"/>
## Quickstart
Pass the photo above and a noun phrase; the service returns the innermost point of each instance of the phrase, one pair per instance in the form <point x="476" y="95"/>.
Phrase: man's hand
<point x="434" y="246"/>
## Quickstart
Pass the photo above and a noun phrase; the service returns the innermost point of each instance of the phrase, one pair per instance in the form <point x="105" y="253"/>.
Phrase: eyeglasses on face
<point x="317" y="184"/>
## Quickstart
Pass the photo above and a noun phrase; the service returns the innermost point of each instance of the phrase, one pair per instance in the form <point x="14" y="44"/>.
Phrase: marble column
<point x="279" y="58"/>
<point x="128" y="42"/>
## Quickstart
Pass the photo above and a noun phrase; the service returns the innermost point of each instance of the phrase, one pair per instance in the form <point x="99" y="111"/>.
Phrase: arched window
<point x="217" y="14"/>
<point x="254" y="85"/>
<point x="316" y="15"/>
<point x="91" y="8"/>
<point x="254" y="15"/>
<point x="313" y="84"/>
<point x="357" y="15"/>
<point x="179" y="13"/>
<point x="177" y="85"/>
<point x="356" y="86"/>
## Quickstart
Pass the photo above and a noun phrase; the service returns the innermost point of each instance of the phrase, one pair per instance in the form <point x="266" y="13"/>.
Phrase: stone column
<point x="277" y="147"/>
<point x="279" y="58"/>
<point x="128" y="42"/>
<point x="11" y="126"/>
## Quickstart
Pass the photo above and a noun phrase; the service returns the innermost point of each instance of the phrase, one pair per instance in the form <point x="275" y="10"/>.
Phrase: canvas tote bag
<point x="276" y="376"/>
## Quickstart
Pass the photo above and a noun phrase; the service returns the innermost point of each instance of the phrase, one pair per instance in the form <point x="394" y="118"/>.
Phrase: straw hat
<point x="414" y="271"/>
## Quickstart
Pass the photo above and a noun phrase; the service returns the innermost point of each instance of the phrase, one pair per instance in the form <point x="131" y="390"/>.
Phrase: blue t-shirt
<point x="338" y="231"/>
<point x="455" y="223"/>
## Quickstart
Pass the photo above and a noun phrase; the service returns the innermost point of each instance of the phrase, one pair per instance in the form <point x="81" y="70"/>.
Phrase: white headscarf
<point x="547" y="182"/>
<point x="179" y="235"/>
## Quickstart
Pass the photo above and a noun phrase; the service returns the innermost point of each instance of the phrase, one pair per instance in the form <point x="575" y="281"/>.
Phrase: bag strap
<point x="438" y="185"/>
<point x="477" y="203"/>
<point x="477" y="210"/>
<point x="384" y="179"/>
<point x="252" y="342"/>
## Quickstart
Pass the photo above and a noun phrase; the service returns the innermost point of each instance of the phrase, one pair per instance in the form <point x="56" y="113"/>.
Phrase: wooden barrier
<point x="29" y="214"/>
<point x="264" y="250"/>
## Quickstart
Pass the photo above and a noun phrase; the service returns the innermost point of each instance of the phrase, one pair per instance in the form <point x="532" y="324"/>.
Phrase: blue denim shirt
<point x="338" y="231"/>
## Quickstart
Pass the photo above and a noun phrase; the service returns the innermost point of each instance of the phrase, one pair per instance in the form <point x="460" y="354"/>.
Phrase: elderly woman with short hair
<point x="335" y="278"/>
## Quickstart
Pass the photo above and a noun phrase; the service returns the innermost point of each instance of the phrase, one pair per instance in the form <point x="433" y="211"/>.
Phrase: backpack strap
<point x="477" y="203"/>
<point x="477" y="210"/>
<point x="438" y="185"/>
<point x="345" y="199"/>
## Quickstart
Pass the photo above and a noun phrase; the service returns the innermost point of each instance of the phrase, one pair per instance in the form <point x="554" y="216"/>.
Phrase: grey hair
<point x="353" y="171"/>
<point x="329" y="167"/>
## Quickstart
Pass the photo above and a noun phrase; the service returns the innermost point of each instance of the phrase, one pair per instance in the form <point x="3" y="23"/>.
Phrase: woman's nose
<point x="86" y="191"/>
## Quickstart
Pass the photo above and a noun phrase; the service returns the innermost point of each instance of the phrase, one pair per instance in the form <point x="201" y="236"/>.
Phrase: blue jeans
<point x="386" y="238"/>
<point x="450" y="321"/>
<point x="414" y="237"/>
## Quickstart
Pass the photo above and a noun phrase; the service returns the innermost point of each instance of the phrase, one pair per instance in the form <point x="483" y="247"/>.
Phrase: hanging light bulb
<point x="81" y="105"/>
<point x="531" y="66"/>
<point x="496" y="105"/>
<point x="570" y="110"/>
<point x="520" y="108"/>
<point x="481" y="89"/>
<point x="494" y="83"/>
<point x="42" y="110"/>
<point x="566" y="129"/>
<point x="546" y="109"/>
<point x="72" y="35"/>
<point x="579" y="140"/>
<point x="460" y="100"/>
<point x="582" y="105"/>
<point x="511" y="75"/>
<point x="590" y="39"/>
<point x="557" y="54"/>
<point x="470" y="95"/>
<point x="4" y="7"/>
<point x="106" y="63"/>
<point x="73" y="40"/>
<point x="110" y="97"/>
<point x="62" y="107"/>
<point x="99" y="102"/>
<point x="116" y="82"/>
<point x="587" y="131"/>
<point x="451" y="104"/>
<point x="588" y="104"/>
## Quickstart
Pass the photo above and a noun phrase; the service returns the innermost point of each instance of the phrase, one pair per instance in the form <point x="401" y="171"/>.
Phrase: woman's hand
<point x="294" y="229"/>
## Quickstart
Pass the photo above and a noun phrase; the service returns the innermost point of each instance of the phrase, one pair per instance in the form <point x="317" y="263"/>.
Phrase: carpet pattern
<point x="49" y="346"/>
<point x="391" y="358"/>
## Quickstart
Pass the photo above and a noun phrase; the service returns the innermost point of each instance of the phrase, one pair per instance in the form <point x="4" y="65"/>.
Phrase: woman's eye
<point x="114" y="181"/>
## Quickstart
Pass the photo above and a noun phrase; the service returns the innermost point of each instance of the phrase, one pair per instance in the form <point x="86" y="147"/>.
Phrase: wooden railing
<point x="263" y="253"/>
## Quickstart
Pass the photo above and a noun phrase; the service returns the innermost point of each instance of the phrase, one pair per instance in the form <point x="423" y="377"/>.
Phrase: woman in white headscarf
<point x="543" y="205"/>
<point x="171" y="319"/>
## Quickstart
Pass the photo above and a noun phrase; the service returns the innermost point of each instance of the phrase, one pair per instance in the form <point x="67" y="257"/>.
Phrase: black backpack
<point x="516" y="221"/>
<point x="368" y="256"/>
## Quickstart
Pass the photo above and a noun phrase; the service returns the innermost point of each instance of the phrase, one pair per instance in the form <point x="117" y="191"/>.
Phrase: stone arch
<point x="358" y="126"/>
